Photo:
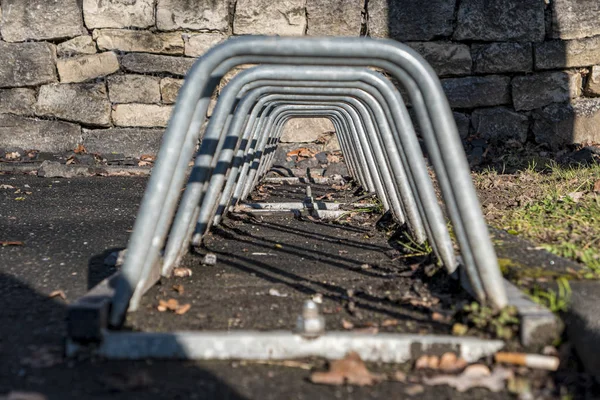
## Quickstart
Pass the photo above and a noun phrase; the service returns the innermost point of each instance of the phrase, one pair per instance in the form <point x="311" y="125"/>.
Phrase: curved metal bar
<point x="421" y="185"/>
<point x="423" y="180"/>
<point x="400" y="60"/>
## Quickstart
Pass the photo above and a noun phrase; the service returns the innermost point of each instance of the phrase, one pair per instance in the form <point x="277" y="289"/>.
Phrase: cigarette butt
<point x="536" y="361"/>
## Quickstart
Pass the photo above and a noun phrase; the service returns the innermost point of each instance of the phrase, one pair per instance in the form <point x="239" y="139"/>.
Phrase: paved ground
<point x="69" y="226"/>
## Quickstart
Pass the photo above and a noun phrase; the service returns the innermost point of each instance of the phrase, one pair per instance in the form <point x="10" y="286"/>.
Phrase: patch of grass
<point x="413" y="249"/>
<point x="555" y="301"/>
<point x="558" y="209"/>
<point x="503" y="324"/>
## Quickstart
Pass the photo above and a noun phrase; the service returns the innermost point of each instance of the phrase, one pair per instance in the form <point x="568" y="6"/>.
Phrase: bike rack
<point x="307" y="77"/>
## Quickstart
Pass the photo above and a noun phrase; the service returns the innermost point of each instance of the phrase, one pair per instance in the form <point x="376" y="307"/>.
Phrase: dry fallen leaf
<point x="174" y="306"/>
<point x="390" y="322"/>
<point x="58" y="293"/>
<point x="16" y="395"/>
<point x="477" y="375"/>
<point x="6" y="187"/>
<point x="183" y="309"/>
<point x="450" y="362"/>
<point x="182" y="272"/>
<point x="597" y="186"/>
<point x="576" y="196"/>
<point x="11" y="243"/>
<point x="178" y="288"/>
<point x="349" y="370"/>
<point x="147" y="157"/>
<point x="80" y="149"/>
<point x="347" y="324"/>
<point x="143" y="163"/>
<point x="328" y="196"/>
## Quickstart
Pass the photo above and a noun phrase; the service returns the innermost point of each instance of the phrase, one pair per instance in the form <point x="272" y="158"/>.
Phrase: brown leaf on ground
<point x="182" y="272"/>
<point x="80" y="149"/>
<point x="439" y="317"/>
<point x="143" y="163"/>
<point x="11" y="243"/>
<point x="178" y="288"/>
<point x="58" y="293"/>
<point x="302" y="152"/>
<point x="477" y="375"/>
<point x="450" y="362"/>
<point x="174" y="306"/>
<point x="597" y="186"/>
<point x="347" y="324"/>
<point x="576" y="196"/>
<point x="16" y="395"/>
<point x="328" y="196"/>
<point x="182" y="309"/>
<point x="390" y="322"/>
<point x="349" y="370"/>
<point x="147" y="157"/>
<point x="6" y="187"/>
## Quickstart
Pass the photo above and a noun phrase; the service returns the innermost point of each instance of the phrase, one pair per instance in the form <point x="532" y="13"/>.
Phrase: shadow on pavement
<point x="32" y="331"/>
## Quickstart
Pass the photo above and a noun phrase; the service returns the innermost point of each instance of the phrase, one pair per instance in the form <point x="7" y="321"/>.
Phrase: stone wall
<point x="105" y="73"/>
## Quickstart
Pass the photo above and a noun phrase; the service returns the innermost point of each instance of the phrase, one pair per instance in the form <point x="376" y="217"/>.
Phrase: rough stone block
<point x="499" y="124"/>
<point x="133" y="89"/>
<point x="573" y="19"/>
<point x="592" y="87"/>
<point x="83" y="68"/>
<point x="40" y="20"/>
<point x="17" y="101"/>
<point x="539" y="90"/>
<point x="305" y="130"/>
<point x="141" y="115"/>
<point x="495" y="58"/>
<point x="334" y="17"/>
<point x="463" y="123"/>
<point x="198" y="44"/>
<point x="446" y="58"/>
<point x="267" y="17"/>
<point x="477" y="91"/>
<point x="31" y="133"/>
<point x="501" y="20"/>
<point x="560" y="124"/>
<point x="118" y="13"/>
<point x="27" y="64"/>
<point x="77" y="46"/>
<point x="153" y="63"/>
<point x="195" y="15"/>
<point x="131" y="142"/>
<point x="411" y="19"/>
<point x="139" y="41"/>
<point x="85" y="103"/>
<point x="169" y="88"/>
<point x="555" y="54"/>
